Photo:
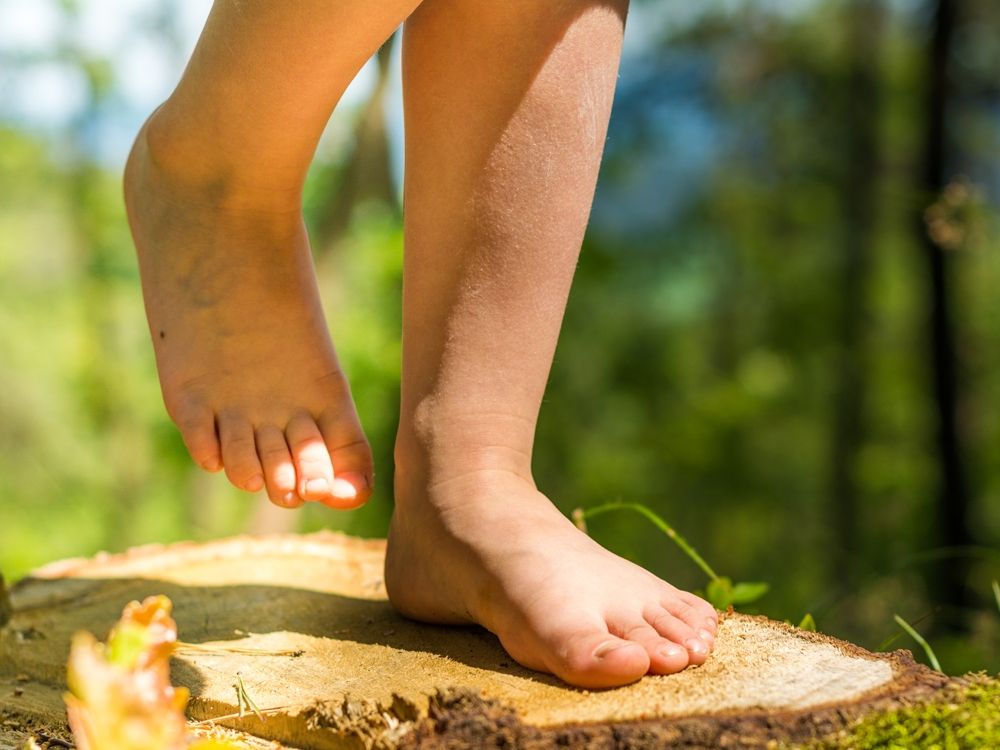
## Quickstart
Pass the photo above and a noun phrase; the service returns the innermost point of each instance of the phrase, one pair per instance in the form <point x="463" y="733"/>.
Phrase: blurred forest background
<point x="783" y="336"/>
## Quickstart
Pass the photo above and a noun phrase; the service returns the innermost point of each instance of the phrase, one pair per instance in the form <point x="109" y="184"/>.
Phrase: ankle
<point x="434" y="448"/>
<point x="194" y="160"/>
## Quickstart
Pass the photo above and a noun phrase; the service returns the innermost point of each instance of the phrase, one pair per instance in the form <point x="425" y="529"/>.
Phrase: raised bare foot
<point x="246" y="365"/>
<point x="487" y="547"/>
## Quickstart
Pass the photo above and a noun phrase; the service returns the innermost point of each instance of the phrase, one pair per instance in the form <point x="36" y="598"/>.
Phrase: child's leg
<point x="506" y="110"/>
<point x="213" y="193"/>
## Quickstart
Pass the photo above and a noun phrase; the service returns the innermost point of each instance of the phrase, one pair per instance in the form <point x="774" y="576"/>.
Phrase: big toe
<point x="313" y="466"/>
<point x="352" y="460"/>
<point x="598" y="659"/>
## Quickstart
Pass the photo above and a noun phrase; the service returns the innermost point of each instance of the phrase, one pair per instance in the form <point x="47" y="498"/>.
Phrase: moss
<point x="963" y="718"/>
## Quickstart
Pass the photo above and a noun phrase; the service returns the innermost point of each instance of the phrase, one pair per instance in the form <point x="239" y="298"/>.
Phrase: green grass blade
<point x="657" y="522"/>
<point x="996" y="592"/>
<point x="899" y="634"/>
<point x="889" y="641"/>
<point x="244" y="697"/>
<point x="919" y="639"/>
<point x="808" y="623"/>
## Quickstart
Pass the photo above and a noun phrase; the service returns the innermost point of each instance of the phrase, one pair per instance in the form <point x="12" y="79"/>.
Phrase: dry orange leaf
<point x="120" y="693"/>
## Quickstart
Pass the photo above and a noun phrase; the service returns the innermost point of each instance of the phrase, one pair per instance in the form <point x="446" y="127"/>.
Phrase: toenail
<point x="255" y="483"/>
<point x="343" y="487"/>
<point x="289" y="498"/>
<point x="671" y="651"/>
<point x="356" y="481"/>
<point x="711" y="624"/>
<point x="695" y="646"/>
<point x="212" y="465"/>
<point x="705" y="635"/>
<point x="317" y="487"/>
<point x="608" y="646"/>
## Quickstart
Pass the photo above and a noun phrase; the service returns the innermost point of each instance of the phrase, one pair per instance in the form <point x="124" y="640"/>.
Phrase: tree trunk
<point x="304" y="621"/>
<point x="949" y="579"/>
<point x="860" y="192"/>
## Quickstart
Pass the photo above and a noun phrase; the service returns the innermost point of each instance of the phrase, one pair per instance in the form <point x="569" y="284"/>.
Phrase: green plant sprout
<point x="996" y="592"/>
<point x="808" y="623"/>
<point x="721" y="592"/>
<point x="900" y="633"/>
<point x="931" y="657"/>
<point x="244" y="700"/>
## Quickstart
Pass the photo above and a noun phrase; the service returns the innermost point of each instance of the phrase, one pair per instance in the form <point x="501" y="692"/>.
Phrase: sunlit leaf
<point x="120" y="694"/>
<point x="719" y="592"/>
<point x="808" y="623"/>
<point x="747" y="593"/>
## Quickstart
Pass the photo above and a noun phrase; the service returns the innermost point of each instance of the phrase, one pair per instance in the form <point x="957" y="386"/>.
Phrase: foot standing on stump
<point x="506" y="108"/>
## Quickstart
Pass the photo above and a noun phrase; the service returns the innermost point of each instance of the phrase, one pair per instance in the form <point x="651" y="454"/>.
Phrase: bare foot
<point x="487" y="547"/>
<point x="246" y="365"/>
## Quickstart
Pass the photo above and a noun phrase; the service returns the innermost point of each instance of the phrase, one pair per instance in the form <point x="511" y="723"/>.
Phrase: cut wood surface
<point x="305" y="622"/>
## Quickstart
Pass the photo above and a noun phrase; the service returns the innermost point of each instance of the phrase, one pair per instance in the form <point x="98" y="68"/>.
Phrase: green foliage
<point x="807" y="623"/>
<point x="126" y="646"/>
<point x="931" y="656"/>
<point x="720" y="591"/>
<point x="966" y="719"/>
<point x="581" y="515"/>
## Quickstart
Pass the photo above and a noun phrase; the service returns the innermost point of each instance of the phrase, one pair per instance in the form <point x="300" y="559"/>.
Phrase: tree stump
<point x="305" y="622"/>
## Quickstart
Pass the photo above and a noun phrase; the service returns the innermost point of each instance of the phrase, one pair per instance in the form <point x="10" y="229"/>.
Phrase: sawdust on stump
<point x="305" y="622"/>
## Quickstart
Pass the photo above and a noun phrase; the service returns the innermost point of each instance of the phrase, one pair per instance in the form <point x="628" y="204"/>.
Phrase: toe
<point x="197" y="426"/>
<point x="239" y="453"/>
<point x="704" y="614"/>
<point x="673" y="628"/>
<point x="665" y="656"/>
<point x="352" y="459"/>
<point x="598" y="659"/>
<point x="279" y="471"/>
<point x="689" y="608"/>
<point x="313" y="467"/>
